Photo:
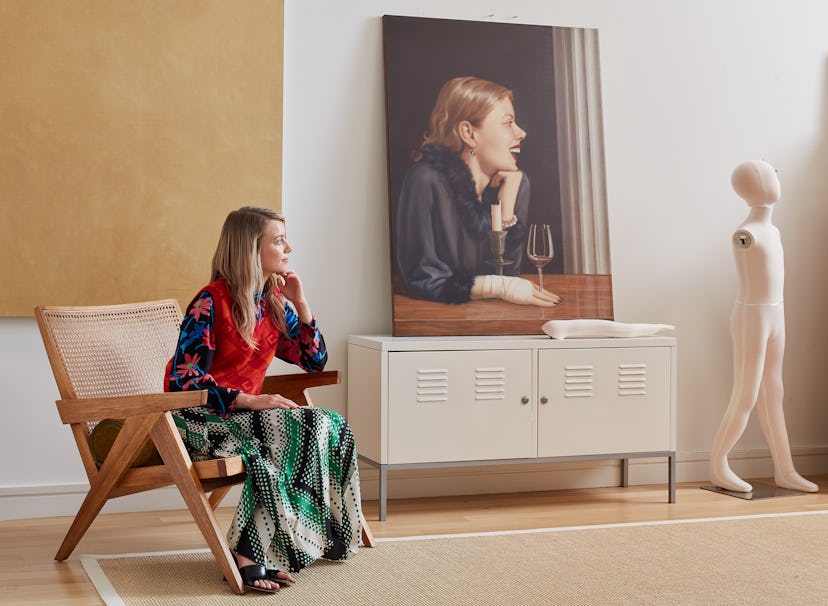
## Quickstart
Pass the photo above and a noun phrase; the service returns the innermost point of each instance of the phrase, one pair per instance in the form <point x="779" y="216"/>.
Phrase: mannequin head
<point x="756" y="181"/>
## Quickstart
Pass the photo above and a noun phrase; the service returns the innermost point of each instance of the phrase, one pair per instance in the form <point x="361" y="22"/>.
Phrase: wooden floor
<point x="28" y="575"/>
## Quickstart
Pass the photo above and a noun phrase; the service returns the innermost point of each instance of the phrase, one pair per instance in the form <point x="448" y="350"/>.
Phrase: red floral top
<point x="212" y="355"/>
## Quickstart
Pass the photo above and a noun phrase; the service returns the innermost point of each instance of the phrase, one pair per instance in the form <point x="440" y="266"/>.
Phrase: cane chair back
<point x="121" y="350"/>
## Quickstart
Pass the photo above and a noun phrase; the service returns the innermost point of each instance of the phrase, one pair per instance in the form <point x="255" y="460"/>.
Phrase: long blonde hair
<point x="237" y="259"/>
<point x="461" y="99"/>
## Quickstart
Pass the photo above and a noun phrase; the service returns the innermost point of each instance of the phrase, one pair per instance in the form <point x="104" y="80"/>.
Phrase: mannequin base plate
<point x="760" y="491"/>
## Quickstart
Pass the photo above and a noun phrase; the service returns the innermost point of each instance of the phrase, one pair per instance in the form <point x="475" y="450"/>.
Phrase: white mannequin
<point x="758" y="328"/>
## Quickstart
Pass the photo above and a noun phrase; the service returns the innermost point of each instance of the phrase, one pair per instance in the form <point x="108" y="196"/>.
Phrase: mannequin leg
<point x="772" y="420"/>
<point x="749" y="343"/>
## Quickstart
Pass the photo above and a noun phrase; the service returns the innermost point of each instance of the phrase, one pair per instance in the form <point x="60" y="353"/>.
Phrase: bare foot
<point x="283" y="578"/>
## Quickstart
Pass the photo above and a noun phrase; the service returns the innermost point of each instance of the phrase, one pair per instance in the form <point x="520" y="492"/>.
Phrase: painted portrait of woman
<point x="487" y="147"/>
<point x="465" y="184"/>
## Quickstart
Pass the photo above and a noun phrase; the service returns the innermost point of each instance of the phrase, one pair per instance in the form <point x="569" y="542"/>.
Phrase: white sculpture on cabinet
<point x="758" y="330"/>
<point x="599" y="329"/>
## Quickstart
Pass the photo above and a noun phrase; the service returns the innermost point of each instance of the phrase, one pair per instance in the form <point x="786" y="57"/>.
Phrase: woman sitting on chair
<point x="301" y="500"/>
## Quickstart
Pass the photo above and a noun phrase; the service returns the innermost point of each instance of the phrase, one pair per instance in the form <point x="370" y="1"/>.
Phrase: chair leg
<point x="130" y="439"/>
<point x="367" y="535"/>
<point x="217" y="496"/>
<point x="170" y="446"/>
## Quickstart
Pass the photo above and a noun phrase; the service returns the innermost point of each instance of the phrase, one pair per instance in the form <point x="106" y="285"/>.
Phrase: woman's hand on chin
<point x="507" y="184"/>
<point x="508" y="180"/>
<point x="291" y="286"/>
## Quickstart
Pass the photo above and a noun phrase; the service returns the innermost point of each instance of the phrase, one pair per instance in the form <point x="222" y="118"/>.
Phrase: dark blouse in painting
<point x="441" y="230"/>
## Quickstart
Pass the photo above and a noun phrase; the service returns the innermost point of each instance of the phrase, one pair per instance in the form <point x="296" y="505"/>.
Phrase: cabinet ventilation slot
<point x="489" y="383"/>
<point x="578" y="380"/>
<point x="632" y="379"/>
<point x="432" y="385"/>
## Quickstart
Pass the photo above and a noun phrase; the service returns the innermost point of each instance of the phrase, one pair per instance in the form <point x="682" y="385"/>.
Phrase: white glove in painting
<point x="512" y="289"/>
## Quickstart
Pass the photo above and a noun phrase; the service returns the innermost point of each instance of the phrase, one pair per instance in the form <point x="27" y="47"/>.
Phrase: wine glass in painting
<point x="539" y="248"/>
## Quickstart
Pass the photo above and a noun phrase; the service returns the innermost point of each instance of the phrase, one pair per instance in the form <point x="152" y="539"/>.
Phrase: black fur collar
<point x="477" y="217"/>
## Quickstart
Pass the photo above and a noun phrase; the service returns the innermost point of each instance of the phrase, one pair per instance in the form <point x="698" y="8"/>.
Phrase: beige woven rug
<point x="756" y="560"/>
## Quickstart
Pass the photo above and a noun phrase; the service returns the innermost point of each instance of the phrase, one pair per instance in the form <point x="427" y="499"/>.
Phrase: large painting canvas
<point x="498" y="209"/>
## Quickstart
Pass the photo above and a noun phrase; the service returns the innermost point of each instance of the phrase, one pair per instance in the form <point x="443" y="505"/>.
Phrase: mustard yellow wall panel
<point x="127" y="131"/>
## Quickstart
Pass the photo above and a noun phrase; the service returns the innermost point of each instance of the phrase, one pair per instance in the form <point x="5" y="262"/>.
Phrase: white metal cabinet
<point x="450" y="407"/>
<point x="460" y="401"/>
<point x="603" y="400"/>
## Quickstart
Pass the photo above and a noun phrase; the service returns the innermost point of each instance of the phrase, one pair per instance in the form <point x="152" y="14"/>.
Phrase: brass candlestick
<point x="497" y="241"/>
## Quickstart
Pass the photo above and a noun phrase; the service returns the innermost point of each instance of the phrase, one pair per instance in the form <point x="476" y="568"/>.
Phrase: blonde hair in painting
<point x="237" y="260"/>
<point x="461" y="99"/>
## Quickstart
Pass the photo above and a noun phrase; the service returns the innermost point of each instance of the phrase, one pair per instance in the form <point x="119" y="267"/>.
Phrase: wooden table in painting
<point x="582" y="296"/>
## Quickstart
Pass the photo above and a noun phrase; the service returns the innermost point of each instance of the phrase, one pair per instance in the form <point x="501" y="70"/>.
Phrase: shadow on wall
<point x="803" y="226"/>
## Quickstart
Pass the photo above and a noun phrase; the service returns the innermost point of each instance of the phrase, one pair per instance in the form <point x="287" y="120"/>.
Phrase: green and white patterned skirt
<point x="301" y="498"/>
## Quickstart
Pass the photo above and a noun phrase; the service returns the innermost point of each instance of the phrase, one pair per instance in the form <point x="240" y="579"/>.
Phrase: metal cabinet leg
<point x="671" y="477"/>
<point x="383" y="492"/>
<point x="625" y="472"/>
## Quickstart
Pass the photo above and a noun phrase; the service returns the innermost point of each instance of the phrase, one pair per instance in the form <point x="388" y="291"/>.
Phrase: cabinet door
<point x="460" y="406"/>
<point x="598" y="401"/>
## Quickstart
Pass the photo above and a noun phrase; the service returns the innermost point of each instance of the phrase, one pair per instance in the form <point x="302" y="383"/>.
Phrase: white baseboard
<point x="46" y="501"/>
<point x="17" y="502"/>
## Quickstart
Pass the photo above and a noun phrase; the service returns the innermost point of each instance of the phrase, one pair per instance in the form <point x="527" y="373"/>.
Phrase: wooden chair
<point x="109" y="362"/>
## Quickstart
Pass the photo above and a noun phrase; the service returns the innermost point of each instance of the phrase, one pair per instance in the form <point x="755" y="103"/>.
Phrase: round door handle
<point x="544" y="400"/>
<point x="524" y="400"/>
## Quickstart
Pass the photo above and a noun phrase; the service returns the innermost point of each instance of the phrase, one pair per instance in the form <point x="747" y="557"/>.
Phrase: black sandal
<point x="256" y="572"/>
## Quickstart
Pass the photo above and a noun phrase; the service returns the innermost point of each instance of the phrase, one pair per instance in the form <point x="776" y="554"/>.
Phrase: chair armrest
<point x="80" y="410"/>
<point x="299" y="381"/>
<point x="293" y="386"/>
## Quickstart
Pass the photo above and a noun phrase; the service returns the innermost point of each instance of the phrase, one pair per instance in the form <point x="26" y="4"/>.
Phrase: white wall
<point x="690" y="90"/>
